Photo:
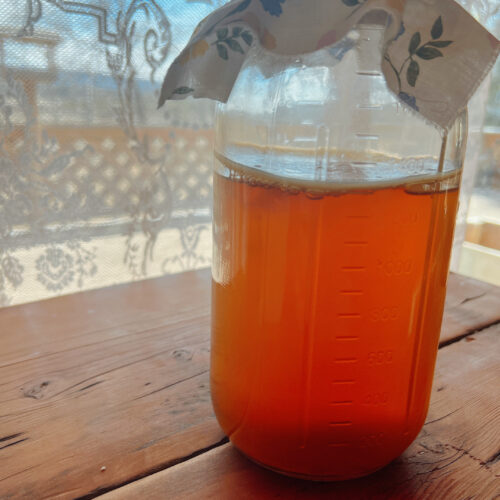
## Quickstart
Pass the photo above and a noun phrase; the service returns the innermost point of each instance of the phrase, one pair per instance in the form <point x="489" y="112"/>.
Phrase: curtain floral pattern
<point x="97" y="186"/>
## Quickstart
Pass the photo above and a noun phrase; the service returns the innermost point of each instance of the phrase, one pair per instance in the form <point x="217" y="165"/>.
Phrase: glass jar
<point x="334" y="211"/>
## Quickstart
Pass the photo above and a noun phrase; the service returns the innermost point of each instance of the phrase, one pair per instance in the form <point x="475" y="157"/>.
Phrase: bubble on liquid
<point x="314" y="195"/>
<point x="294" y="172"/>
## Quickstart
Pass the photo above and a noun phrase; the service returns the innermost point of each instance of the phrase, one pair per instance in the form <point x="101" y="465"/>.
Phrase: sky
<point x="80" y="51"/>
<point x="79" y="48"/>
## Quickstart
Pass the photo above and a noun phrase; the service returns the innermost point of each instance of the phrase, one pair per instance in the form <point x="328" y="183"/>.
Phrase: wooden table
<point x="106" y="393"/>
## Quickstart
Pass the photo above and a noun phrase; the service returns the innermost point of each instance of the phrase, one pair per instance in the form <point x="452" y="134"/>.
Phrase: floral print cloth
<point x="435" y="54"/>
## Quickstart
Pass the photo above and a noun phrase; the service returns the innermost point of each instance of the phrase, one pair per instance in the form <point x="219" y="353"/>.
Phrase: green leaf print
<point x="222" y="33"/>
<point x="428" y="53"/>
<point x="437" y="28"/>
<point x="222" y="51"/>
<point x="234" y="45"/>
<point x="412" y="73"/>
<point x="233" y="41"/>
<point x="247" y="37"/>
<point x="183" y="90"/>
<point x="414" y="43"/>
<point x="440" y="43"/>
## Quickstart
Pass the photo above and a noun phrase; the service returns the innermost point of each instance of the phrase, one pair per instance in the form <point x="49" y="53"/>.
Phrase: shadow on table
<point x="238" y="474"/>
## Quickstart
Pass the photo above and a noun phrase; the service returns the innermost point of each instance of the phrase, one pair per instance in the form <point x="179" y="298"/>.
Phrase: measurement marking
<point x="353" y="268"/>
<point x="343" y="382"/>
<point x="368" y="137"/>
<point x="346" y="337"/>
<point x="351" y="292"/>
<point x="307" y="361"/>
<point x="355" y="243"/>
<point x="344" y="423"/>
<point x="349" y="315"/>
<point x="341" y="403"/>
<point x="346" y="360"/>
<point x="337" y="445"/>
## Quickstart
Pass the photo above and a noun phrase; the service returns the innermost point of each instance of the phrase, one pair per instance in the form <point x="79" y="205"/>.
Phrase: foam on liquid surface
<point x="333" y="171"/>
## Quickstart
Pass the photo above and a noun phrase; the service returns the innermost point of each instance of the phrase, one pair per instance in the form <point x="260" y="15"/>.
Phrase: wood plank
<point x="483" y="232"/>
<point x="40" y="328"/>
<point x="118" y="378"/>
<point x="456" y="455"/>
<point x="470" y="306"/>
<point x="480" y="262"/>
<point x="44" y="327"/>
<point x="114" y="378"/>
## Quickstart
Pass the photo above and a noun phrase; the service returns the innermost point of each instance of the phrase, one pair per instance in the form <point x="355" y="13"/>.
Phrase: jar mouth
<point x="375" y="21"/>
<point x="331" y="108"/>
<point x="378" y="20"/>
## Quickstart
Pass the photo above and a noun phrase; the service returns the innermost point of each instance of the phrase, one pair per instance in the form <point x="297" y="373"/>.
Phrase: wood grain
<point x="470" y="306"/>
<point x="118" y="379"/>
<point x="115" y="378"/>
<point x="456" y="456"/>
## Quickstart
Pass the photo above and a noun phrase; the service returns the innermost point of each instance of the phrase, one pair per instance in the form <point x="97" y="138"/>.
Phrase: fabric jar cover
<point x="434" y="57"/>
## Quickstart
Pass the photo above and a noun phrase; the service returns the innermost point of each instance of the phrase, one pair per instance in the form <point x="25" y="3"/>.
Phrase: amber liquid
<point x="327" y="309"/>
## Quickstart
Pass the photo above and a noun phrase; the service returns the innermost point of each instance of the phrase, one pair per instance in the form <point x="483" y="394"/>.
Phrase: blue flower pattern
<point x="273" y="6"/>
<point x="409" y="99"/>
<point x="418" y="49"/>
<point x="401" y="31"/>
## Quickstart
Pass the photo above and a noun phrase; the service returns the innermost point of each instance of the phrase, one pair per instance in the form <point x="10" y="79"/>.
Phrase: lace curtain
<point x="97" y="186"/>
